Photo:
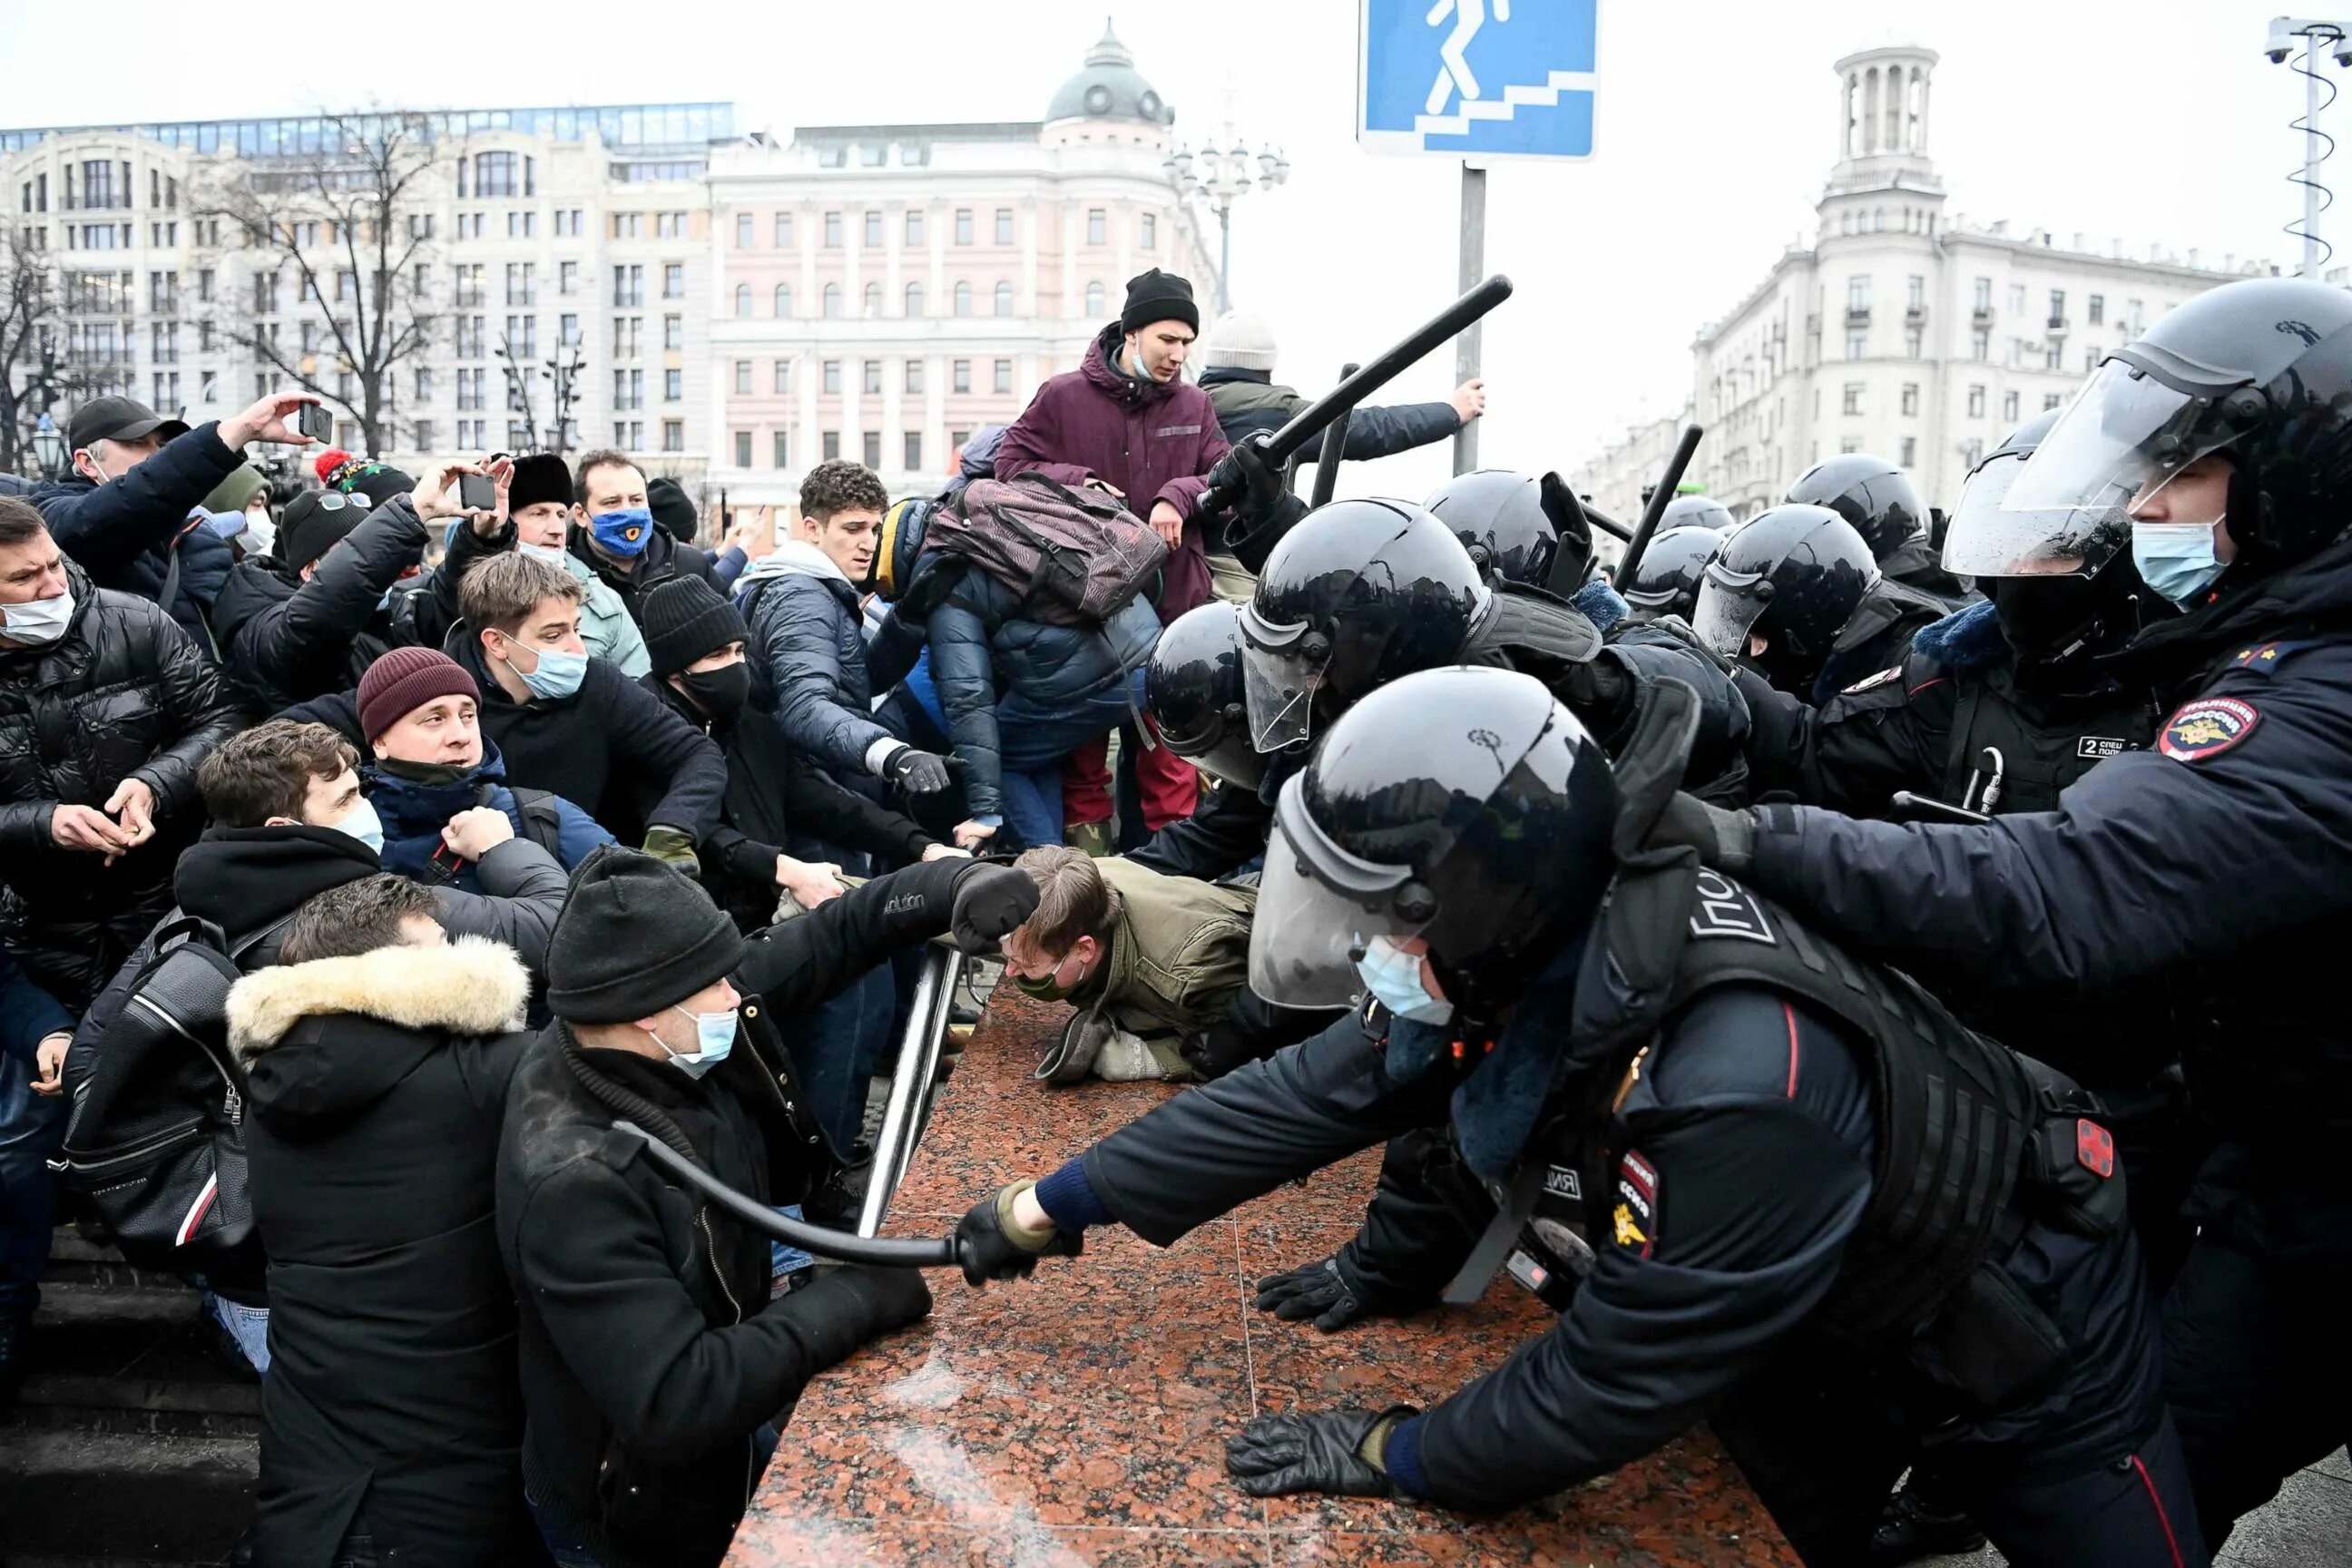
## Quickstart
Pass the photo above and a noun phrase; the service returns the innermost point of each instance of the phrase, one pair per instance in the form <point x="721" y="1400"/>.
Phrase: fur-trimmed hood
<point x="472" y="987"/>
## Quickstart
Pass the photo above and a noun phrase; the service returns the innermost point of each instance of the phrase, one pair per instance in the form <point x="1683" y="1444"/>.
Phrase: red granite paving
<point x="1079" y="1420"/>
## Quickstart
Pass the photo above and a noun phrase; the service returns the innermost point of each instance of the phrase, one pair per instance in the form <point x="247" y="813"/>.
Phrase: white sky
<point x="2149" y="119"/>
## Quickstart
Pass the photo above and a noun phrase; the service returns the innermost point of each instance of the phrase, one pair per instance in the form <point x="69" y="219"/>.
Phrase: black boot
<point x="1920" y="1523"/>
<point x="15" y="1348"/>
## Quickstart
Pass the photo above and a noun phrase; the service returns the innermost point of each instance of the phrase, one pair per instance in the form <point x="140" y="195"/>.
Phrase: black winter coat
<point x="284" y="640"/>
<point x="604" y="748"/>
<point x="1250" y="401"/>
<point x="651" y="1349"/>
<point x="123" y="694"/>
<point x="662" y="559"/>
<point x="379" y="1086"/>
<point x="775" y="792"/>
<point x="126" y="531"/>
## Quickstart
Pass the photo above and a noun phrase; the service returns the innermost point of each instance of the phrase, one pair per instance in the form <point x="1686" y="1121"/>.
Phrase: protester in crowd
<point x="565" y="722"/>
<point x="1020" y="695"/>
<point x="1238" y="375"/>
<point x="1151" y="962"/>
<point x="33" y="1034"/>
<point x="539" y="505"/>
<point x="614" y="533"/>
<point x="440" y="789"/>
<point x="245" y="491"/>
<point x="123" y="513"/>
<point x="1128" y="421"/>
<point x="655" y="1359"/>
<point x="106" y="707"/>
<point x="379" y="1055"/>
<point x="808" y="634"/>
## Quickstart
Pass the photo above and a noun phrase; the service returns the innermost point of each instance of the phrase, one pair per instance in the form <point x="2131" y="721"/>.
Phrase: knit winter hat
<point x="316" y="521"/>
<point x="338" y="470"/>
<point x="406" y="679"/>
<point x="685" y="618"/>
<point x="667" y="499"/>
<point x="235" y="492"/>
<point x="1157" y="296"/>
<point x="1240" y="341"/>
<point x="634" y="937"/>
<point x="541" y="476"/>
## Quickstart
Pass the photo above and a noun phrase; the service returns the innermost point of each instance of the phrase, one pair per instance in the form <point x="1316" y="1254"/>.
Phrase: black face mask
<point x="2045" y="617"/>
<point x="721" y="692"/>
<point x="426" y="772"/>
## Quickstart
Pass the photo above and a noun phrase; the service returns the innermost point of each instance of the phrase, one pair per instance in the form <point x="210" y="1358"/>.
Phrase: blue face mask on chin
<point x="622" y="532"/>
<point x="1393" y="977"/>
<point x="557" y="674"/>
<point x="2176" y="559"/>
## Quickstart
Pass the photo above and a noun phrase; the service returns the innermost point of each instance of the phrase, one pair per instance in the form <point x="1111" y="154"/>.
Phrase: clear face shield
<point x="1282" y="668"/>
<point x="1729" y="606"/>
<point x="2065" y="510"/>
<point x="1309" y="929"/>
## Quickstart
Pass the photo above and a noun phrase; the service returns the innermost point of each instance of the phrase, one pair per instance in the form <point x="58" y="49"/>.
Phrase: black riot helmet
<point x="1500" y="518"/>
<point x="1193" y="691"/>
<point x="1358" y="594"/>
<point x="1791" y="574"/>
<point x="1871" y="493"/>
<point x="1697" y="511"/>
<point x="1463" y="806"/>
<point x="1666" y="581"/>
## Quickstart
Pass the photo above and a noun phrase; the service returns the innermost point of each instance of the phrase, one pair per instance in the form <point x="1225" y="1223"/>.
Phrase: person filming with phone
<point x="123" y="514"/>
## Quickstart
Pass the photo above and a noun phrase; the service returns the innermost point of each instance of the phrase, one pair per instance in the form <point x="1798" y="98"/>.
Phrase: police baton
<point x="1658" y="500"/>
<point x="1309" y="422"/>
<point x="821" y="1240"/>
<point x="1334" y="449"/>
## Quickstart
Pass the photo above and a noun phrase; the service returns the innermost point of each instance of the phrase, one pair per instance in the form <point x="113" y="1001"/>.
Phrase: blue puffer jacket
<point x="981" y="649"/>
<point x="808" y="657"/>
<point x="415" y="813"/>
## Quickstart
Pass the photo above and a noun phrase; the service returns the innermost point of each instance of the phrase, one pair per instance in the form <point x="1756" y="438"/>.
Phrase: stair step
<point x="103" y="1497"/>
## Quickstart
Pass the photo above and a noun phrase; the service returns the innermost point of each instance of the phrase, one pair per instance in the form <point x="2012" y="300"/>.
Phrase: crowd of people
<point x="1860" y="967"/>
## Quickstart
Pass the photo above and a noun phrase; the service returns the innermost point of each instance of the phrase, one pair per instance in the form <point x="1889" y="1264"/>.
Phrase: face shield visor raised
<point x="1318" y="908"/>
<point x="1729" y="604"/>
<point x="1283" y="666"/>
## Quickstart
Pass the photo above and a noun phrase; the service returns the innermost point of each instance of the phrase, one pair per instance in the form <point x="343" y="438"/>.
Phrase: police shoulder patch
<point x="1634" y="1221"/>
<point x="1869" y="682"/>
<point x="2207" y="728"/>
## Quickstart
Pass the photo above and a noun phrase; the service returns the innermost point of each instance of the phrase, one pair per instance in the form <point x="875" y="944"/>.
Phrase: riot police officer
<point x="1796" y="1245"/>
<point x="2221" y="858"/>
<point x="1505" y="521"/>
<point x="1886" y="510"/>
<point x="1795" y="592"/>
<point x="1697" y="511"/>
<point x="1192" y="693"/>
<point x="1667" y="579"/>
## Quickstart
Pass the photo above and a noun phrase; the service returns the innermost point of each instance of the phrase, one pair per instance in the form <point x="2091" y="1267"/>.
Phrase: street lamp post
<point x="1223" y="176"/>
<point x="48" y="447"/>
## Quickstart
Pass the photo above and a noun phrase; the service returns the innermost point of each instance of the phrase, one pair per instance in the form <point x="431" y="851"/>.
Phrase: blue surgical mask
<point x="714" y="1036"/>
<point x="2176" y="559"/>
<point x="557" y="676"/>
<point x="362" y="824"/>
<point x="1393" y="976"/>
<point x="622" y="532"/>
<point x="39" y="622"/>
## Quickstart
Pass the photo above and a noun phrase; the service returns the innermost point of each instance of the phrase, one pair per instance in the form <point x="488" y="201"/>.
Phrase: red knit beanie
<point x="406" y="679"/>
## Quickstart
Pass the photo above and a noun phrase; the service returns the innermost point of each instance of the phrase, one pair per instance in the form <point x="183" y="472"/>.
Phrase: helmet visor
<point x="1305" y="936"/>
<point x="1729" y="606"/>
<point x="1985" y="538"/>
<point x="1278" y="685"/>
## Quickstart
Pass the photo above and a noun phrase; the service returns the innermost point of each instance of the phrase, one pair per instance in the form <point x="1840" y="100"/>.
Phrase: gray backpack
<point x="1076" y="557"/>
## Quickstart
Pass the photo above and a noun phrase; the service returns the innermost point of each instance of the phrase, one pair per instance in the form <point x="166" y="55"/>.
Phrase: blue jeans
<point x="1034" y="739"/>
<point x="31" y="1128"/>
<point x="836" y="1046"/>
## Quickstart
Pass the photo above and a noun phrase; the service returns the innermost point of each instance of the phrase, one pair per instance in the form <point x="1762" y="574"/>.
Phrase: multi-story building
<point x="1904" y="333"/>
<point x="883" y="291"/>
<point x="1618" y="477"/>
<point x="576" y="237"/>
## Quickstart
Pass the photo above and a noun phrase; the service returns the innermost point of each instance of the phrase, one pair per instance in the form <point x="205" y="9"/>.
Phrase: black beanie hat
<point x="685" y="618"/>
<point x="316" y="521"/>
<point x="666" y="498"/>
<point x="635" y="936"/>
<point x="541" y="476"/>
<point x="1157" y="296"/>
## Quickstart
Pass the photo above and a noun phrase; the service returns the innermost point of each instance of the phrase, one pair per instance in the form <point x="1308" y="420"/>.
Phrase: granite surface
<point x="1080" y="1418"/>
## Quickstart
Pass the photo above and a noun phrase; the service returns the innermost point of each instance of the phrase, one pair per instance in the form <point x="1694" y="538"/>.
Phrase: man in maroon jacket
<point x="1127" y="420"/>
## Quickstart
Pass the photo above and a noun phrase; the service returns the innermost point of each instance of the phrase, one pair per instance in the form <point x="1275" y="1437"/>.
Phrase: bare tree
<point x="351" y="223"/>
<point x="33" y="371"/>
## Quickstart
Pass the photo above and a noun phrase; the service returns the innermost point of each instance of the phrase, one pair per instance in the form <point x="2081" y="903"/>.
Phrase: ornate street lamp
<point x="1222" y="176"/>
<point x="48" y="448"/>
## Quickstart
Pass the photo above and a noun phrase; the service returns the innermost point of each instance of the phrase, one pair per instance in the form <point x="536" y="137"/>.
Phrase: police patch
<point x="2207" y="728"/>
<point x="2263" y="657"/>
<point x="1869" y="681"/>
<point x="2099" y="747"/>
<point x="1634" y="1221"/>
<point x="1726" y="909"/>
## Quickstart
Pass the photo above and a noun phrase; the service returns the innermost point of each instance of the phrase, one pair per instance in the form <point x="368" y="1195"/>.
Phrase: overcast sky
<point x="2154" y="121"/>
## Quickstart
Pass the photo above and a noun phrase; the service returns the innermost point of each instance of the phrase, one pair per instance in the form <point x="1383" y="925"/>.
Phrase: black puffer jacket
<point x="123" y="694"/>
<point x="125" y="533"/>
<point x="284" y="640"/>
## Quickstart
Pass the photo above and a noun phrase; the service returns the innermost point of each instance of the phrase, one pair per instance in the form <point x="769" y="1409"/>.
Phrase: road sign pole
<point x="1474" y="267"/>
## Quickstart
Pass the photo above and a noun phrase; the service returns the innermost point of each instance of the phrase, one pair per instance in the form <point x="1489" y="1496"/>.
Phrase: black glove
<point x="1600" y="691"/>
<point x="991" y="901"/>
<point x="1323" y="1453"/>
<point x="844" y="1308"/>
<point x="990" y="1248"/>
<point x="1328" y="1292"/>
<point x="919" y="773"/>
<point x="1724" y="839"/>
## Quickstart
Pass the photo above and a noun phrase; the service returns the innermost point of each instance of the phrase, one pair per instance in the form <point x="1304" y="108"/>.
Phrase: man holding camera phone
<point x="123" y="513"/>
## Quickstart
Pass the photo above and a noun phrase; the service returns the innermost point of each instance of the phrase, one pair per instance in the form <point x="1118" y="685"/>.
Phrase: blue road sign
<point x="1492" y="79"/>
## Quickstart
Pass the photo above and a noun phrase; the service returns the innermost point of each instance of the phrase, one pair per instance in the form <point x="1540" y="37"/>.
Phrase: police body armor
<point x="2005" y="756"/>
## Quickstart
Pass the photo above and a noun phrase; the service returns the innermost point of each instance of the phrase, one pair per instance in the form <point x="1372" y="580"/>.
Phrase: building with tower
<point x="1899" y="329"/>
<point x="885" y="290"/>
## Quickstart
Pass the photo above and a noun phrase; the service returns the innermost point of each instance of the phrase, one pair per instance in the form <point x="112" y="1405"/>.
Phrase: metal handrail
<point x="911" y="1084"/>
